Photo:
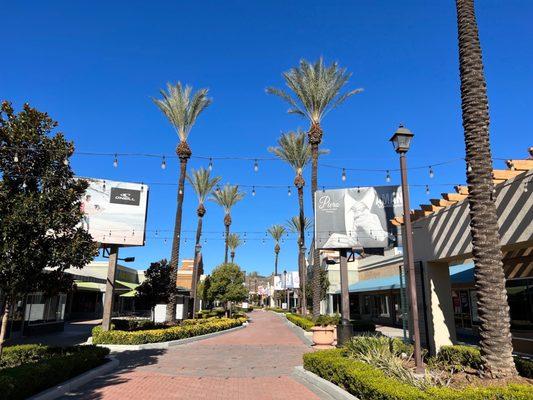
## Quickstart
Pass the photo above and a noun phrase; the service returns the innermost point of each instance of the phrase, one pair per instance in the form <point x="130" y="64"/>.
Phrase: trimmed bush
<point x="56" y="366"/>
<point x="185" y="330"/>
<point x="524" y="367"/>
<point x="14" y="356"/>
<point x="302" y="322"/>
<point x="369" y="383"/>
<point x="460" y="356"/>
<point x="325" y="320"/>
<point x="360" y="325"/>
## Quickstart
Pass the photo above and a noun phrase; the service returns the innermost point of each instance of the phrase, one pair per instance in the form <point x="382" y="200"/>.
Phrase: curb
<point x="321" y="384"/>
<point x="117" y="348"/>
<point x="77" y="381"/>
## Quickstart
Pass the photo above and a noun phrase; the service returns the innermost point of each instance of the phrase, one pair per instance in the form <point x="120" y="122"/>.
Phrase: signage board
<point x="291" y="281"/>
<point x="357" y="218"/>
<point x="115" y="212"/>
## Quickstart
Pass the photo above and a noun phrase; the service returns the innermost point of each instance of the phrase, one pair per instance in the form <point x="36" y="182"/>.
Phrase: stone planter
<point x="323" y="336"/>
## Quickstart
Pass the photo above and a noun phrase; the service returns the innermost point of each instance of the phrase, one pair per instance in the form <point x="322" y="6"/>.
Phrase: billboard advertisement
<point x="291" y="281"/>
<point x="357" y="218"/>
<point x="115" y="212"/>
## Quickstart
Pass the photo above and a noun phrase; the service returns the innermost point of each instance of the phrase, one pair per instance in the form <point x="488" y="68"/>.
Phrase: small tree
<point x="324" y="286"/>
<point x="226" y="285"/>
<point x="40" y="207"/>
<point x="156" y="287"/>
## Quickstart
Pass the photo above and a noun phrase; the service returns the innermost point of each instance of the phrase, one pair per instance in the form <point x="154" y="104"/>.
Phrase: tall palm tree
<point x="227" y="197"/>
<point x="203" y="185"/>
<point x="493" y="309"/>
<point x="295" y="151"/>
<point x="234" y="241"/>
<point x="295" y="225"/>
<point x="277" y="232"/>
<point x="316" y="90"/>
<point x="182" y="108"/>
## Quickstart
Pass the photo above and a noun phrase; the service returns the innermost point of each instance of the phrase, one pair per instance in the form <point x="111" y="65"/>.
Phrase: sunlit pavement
<point x="251" y="363"/>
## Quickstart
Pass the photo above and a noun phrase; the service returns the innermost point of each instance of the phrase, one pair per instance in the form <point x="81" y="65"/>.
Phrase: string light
<point x="24" y="186"/>
<point x="468" y="167"/>
<point x="115" y="162"/>
<point x="164" y="163"/>
<point x="253" y="190"/>
<point x="431" y="173"/>
<point x="210" y="166"/>
<point x="343" y="177"/>
<point x="427" y="189"/>
<point x="65" y="161"/>
<point x="256" y="166"/>
<point x="525" y="186"/>
<point x="16" y="158"/>
<point x="387" y="178"/>
<point x="289" y="191"/>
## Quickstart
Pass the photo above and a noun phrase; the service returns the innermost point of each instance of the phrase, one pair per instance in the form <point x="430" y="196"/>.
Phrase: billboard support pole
<point x="344" y="329"/>
<point x="109" y="287"/>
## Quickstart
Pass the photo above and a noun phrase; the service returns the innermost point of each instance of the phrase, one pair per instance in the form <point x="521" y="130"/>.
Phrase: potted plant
<point x="324" y="332"/>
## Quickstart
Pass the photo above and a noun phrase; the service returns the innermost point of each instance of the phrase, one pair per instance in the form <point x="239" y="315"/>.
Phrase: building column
<point x="439" y="316"/>
<point x="330" y="304"/>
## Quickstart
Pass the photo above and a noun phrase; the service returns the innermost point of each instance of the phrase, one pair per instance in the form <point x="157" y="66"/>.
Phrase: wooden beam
<point x="520" y="165"/>
<point x="421" y="213"/>
<point x="504" y="174"/>
<point x="442" y="202"/>
<point x="431" y="207"/>
<point x="461" y="189"/>
<point x="453" y="196"/>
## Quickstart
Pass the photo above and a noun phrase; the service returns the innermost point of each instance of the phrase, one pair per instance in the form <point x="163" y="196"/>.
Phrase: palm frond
<point x="227" y="197"/>
<point x="294" y="149"/>
<point x="202" y="183"/>
<point x="277" y="232"/>
<point x="234" y="241"/>
<point x="293" y="224"/>
<point x="180" y="109"/>
<point x="316" y="88"/>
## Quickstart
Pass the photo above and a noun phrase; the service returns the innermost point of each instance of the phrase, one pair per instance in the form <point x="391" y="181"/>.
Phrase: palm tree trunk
<point x="315" y="137"/>
<point x="276" y="265"/>
<point x="301" y="256"/>
<point x="194" y="281"/>
<point x="184" y="153"/>
<point x="3" y="328"/>
<point x="493" y="309"/>
<point x="232" y="256"/>
<point x="227" y="223"/>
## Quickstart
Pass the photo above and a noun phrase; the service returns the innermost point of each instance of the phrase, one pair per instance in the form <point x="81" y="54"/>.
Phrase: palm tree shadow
<point x="129" y="360"/>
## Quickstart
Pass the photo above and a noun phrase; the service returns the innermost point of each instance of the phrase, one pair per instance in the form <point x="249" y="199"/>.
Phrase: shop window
<point x="520" y="296"/>
<point x="42" y="309"/>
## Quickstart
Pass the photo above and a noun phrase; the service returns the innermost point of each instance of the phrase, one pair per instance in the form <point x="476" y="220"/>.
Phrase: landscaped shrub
<point x="524" y="367"/>
<point x="363" y="326"/>
<point x="125" y="324"/>
<point x="14" y="356"/>
<point x="325" y="320"/>
<point x="302" y="322"/>
<point x="56" y="366"/>
<point x="185" y="330"/>
<point x="459" y="357"/>
<point x="369" y="383"/>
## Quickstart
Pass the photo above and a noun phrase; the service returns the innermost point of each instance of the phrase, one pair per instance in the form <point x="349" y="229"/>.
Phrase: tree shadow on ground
<point x="129" y="360"/>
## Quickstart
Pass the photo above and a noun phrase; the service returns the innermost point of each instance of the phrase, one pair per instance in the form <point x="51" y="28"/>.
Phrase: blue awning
<point x="458" y="274"/>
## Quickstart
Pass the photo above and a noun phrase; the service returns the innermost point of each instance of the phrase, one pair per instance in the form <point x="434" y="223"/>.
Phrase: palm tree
<point x="227" y="197"/>
<point x="316" y="90"/>
<point x="234" y="241"/>
<point x="295" y="225"/>
<point x="493" y="309"/>
<point x="295" y="151"/>
<point x="277" y="232"/>
<point x="203" y="185"/>
<point x="182" y="108"/>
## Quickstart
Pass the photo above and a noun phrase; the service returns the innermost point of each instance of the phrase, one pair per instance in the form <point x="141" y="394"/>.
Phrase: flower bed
<point x="29" y="369"/>
<point x="370" y="383"/>
<point x="303" y="322"/>
<point x="186" y="329"/>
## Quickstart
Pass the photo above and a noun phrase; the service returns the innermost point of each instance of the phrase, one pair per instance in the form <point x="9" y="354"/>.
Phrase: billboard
<point x="292" y="281"/>
<point x="115" y="212"/>
<point x="357" y="218"/>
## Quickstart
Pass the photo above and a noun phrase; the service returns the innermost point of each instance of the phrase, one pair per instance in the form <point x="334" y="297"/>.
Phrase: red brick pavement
<point x="251" y="363"/>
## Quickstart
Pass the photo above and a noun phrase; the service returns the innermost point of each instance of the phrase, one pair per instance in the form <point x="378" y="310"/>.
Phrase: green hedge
<point x="55" y="366"/>
<point x="185" y="330"/>
<point x="302" y="322"/>
<point x="369" y="383"/>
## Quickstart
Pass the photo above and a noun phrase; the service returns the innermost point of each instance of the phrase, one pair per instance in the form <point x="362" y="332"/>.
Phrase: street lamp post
<point x="286" y="289"/>
<point x="401" y="141"/>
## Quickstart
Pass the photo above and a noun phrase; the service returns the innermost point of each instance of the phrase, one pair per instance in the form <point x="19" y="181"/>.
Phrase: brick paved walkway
<point x="251" y="363"/>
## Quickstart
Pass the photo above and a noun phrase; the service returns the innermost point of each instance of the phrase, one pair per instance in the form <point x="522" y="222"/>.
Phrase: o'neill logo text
<point x="125" y="196"/>
<point x="325" y="204"/>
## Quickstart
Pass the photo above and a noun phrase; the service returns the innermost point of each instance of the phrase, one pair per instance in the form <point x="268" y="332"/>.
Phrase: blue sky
<point x="94" y="66"/>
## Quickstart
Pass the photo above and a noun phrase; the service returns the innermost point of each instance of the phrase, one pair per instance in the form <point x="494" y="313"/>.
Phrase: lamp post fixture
<point x="401" y="140"/>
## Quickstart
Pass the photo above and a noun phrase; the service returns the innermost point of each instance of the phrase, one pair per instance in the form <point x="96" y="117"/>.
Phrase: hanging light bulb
<point x="289" y="191"/>
<point x="164" y="163"/>
<point x="24" y="186"/>
<point x="65" y="161"/>
<point x="387" y="178"/>
<point x="468" y="167"/>
<point x="253" y="190"/>
<point x="16" y="158"/>
<point x="343" y="176"/>
<point x="427" y="189"/>
<point x="115" y="162"/>
<point x="525" y="186"/>
<point x="256" y="166"/>
<point x="431" y="173"/>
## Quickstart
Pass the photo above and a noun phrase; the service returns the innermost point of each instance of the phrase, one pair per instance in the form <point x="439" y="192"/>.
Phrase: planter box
<point x="323" y="336"/>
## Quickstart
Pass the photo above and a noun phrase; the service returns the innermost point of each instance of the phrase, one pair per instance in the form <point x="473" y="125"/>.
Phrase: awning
<point x="131" y="293"/>
<point x="129" y="285"/>
<point x="90" y="286"/>
<point x="463" y="273"/>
